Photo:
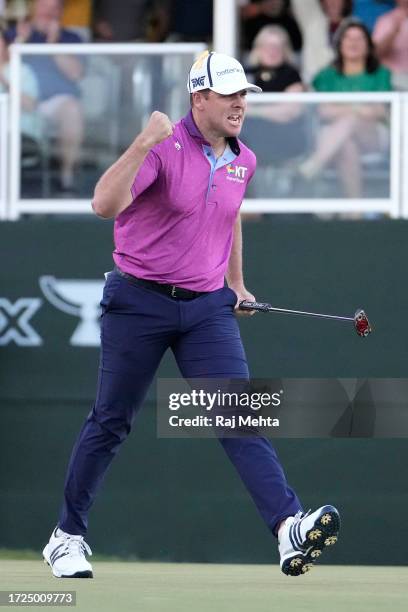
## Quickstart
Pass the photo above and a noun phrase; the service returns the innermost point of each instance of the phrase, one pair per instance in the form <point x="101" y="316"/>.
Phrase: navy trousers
<point x="138" y="325"/>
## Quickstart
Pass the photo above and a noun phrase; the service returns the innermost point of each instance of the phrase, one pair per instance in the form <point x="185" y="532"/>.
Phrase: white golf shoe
<point x="303" y="538"/>
<point x="65" y="554"/>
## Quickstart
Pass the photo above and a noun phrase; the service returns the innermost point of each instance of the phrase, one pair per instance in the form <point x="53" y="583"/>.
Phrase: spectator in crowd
<point x="29" y="121"/>
<point x="391" y="40"/>
<point x="272" y="61"/>
<point x="58" y="77"/>
<point x="124" y="21"/>
<point x="190" y="21"/>
<point x="77" y="16"/>
<point x="368" y="11"/>
<point x="276" y="131"/>
<point x="318" y="21"/>
<point x="255" y="14"/>
<point x="350" y="130"/>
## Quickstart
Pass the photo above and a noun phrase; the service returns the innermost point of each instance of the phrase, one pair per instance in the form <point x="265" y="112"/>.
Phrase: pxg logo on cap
<point x="198" y="81"/>
<point x="220" y="73"/>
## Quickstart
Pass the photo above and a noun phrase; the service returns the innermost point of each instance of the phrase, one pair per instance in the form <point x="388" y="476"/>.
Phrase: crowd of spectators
<point x="310" y="25"/>
<point x="58" y="100"/>
<point x="287" y="45"/>
<point x="349" y="131"/>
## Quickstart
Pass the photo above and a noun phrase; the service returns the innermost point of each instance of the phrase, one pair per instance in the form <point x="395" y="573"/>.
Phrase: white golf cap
<point x="220" y="73"/>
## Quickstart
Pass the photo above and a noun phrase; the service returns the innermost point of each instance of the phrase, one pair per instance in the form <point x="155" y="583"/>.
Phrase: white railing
<point x="3" y="155"/>
<point x="18" y="205"/>
<point x="395" y="203"/>
<point x="404" y="156"/>
<point x="390" y="205"/>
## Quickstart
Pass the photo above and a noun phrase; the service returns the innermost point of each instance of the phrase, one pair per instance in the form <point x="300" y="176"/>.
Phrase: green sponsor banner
<point x="181" y="500"/>
<point x="52" y="282"/>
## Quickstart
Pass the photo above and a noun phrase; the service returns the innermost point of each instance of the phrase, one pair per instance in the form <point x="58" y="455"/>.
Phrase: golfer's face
<point x="226" y="113"/>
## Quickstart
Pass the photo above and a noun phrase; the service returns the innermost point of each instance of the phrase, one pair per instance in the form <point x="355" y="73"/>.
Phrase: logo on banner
<point x="79" y="298"/>
<point x="15" y="323"/>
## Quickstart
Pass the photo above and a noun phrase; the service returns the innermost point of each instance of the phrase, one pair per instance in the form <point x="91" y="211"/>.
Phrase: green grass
<point x="159" y="587"/>
<point x="19" y="554"/>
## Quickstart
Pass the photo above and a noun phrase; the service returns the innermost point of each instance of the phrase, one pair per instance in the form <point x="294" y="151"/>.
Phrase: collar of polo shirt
<point x="194" y="132"/>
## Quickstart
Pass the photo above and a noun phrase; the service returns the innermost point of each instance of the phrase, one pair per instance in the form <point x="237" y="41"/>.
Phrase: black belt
<point x="178" y="293"/>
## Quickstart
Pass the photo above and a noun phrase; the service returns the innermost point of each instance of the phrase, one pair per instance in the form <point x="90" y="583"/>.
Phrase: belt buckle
<point x="173" y="291"/>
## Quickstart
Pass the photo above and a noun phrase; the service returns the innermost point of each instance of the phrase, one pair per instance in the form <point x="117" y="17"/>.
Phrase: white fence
<point x="176" y="58"/>
<point x="161" y="83"/>
<point x="389" y="159"/>
<point x="3" y="155"/>
<point x="404" y="156"/>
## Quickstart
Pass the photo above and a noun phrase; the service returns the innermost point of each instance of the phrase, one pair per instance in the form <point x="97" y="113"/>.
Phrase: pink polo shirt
<point x="178" y="229"/>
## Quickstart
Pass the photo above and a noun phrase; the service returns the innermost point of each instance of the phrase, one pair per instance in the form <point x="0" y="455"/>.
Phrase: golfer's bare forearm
<point x="112" y="193"/>
<point x="113" y="190"/>
<point x="234" y="272"/>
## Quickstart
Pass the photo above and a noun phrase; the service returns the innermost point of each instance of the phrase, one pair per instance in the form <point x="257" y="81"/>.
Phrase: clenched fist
<point x="158" y="128"/>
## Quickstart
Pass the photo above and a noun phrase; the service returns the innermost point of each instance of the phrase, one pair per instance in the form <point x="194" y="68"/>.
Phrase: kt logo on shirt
<point x="236" y="173"/>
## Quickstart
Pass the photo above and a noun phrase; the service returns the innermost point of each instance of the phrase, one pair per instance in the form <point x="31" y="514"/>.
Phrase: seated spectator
<point x="350" y="130"/>
<point x="318" y="21"/>
<point x="58" y="77"/>
<point x="77" y="17"/>
<point x="124" y="21"/>
<point x="29" y="123"/>
<point x="368" y="11"/>
<point x="255" y="14"/>
<point x="276" y="131"/>
<point x="272" y="61"/>
<point x="391" y="40"/>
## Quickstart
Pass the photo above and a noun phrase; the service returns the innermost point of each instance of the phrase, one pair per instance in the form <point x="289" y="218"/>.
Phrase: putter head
<point x="362" y="324"/>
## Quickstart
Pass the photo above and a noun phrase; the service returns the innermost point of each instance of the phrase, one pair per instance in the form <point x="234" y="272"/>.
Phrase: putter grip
<point x="246" y="305"/>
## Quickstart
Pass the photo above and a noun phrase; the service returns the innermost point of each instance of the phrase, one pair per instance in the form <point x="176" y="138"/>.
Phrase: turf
<point x="158" y="587"/>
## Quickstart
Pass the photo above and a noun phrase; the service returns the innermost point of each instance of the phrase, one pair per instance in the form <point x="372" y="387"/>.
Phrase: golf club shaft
<point x="268" y="308"/>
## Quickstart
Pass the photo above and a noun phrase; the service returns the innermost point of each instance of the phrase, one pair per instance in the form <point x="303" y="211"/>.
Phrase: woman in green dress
<point x="350" y="130"/>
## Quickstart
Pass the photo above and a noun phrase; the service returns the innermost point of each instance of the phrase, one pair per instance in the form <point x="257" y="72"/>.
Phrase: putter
<point x="360" y="320"/>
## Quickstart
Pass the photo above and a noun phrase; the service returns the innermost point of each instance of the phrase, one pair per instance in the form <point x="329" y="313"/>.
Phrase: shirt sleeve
<point x="386" y="78"/>
<point x="146" y="175"/>
<point x="317" y="82"/>
<point x="69" y="36"/>
<point x="11" y="34"/>
<point x="323" y="81"/>
<point x="293" y="76"/>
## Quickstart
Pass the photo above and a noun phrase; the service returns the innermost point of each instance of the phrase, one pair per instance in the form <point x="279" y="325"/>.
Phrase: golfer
<point x="175" y="195"/>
